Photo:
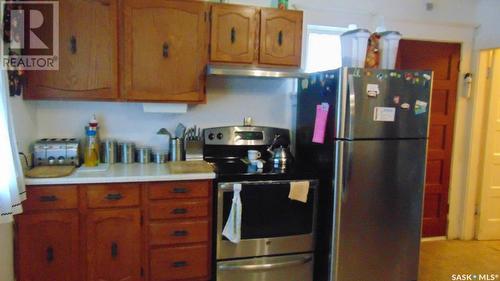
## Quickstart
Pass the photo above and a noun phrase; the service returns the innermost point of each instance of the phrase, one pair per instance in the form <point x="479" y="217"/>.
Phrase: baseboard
<point x="436" y="238"/>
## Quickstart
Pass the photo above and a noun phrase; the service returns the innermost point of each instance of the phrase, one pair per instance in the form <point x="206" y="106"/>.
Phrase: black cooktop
<point x="238" y="170"/>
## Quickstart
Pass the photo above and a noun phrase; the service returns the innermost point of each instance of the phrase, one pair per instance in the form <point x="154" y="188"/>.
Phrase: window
<point x="323" y="48"/>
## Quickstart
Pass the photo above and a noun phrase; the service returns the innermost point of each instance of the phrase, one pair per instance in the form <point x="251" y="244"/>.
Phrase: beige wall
<point x="488" y="35"/>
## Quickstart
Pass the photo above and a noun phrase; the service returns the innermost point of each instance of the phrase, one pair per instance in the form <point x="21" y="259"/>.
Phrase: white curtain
<point x="12" y="189"/>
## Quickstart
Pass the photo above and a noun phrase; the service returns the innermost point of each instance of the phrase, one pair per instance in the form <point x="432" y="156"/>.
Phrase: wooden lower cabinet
<point x="114" y="245"/>
<point x="115" y="232"/>
<point x="48" y="246"/>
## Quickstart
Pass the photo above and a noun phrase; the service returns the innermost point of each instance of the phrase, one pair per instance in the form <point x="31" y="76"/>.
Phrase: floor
<point x="440" y="260"/>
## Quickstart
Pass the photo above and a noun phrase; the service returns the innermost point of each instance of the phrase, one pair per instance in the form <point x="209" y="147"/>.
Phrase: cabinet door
<point x="113" y="245"/>
<point x="166" y="50"/>
<point x="87" y="54"/>
<point x="280" y="37"/>
<point x="48" y="247"/>
<point x="233" y="33"/>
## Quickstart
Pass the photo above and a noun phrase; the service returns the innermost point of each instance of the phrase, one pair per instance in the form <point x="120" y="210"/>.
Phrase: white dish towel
<point x="232" y="229"/>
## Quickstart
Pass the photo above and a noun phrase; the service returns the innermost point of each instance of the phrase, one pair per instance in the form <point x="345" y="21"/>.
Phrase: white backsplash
<point x="269" y="102"/>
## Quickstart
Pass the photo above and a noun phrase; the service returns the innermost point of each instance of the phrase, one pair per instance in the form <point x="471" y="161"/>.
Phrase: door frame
<point x="481" y="95"/>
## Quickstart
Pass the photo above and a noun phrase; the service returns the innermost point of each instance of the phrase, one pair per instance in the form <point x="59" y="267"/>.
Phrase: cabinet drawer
<point x="51" y="198"/>
<point x="179" y="263"/>
<point x="178" y="189"/>
<point x="174" y="209"/>
<point x="112" y="195"/>
<point x="170" y="233"/>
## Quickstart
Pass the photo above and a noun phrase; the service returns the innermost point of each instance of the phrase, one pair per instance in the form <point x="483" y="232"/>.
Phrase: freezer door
<point x="383" y="104"/>
<point x="378" y="193"/>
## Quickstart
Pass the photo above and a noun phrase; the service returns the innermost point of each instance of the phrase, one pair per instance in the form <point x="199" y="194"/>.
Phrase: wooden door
<point x="87" y="54"/>
<point x="488" y="226"/>
<point x="165" y="50"/>
<point x="233" y="33"/>
<point x="444" y="60"/>
<point x="280" y="37"/>
<point x="48" y="247"/>
<point x="114" y="245"/>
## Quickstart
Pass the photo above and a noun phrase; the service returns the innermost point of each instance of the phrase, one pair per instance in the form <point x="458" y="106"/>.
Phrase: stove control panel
<point x="243" y="135"/>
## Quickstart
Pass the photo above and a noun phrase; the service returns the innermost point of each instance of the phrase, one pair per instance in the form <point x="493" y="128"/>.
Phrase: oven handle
<point x="267" y="266"/>
<point x="228" y="186"/>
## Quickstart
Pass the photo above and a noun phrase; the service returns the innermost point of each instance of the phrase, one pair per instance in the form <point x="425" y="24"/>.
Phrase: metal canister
<point x="109" y="151"/>
<point x="127" y="150"/>
<point x="160" y="156"/>
<point x="143" y="155"/>
<point x="177" y="149"/>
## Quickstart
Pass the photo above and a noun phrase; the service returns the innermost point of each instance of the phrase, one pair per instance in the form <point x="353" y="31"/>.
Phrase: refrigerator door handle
<point x="346" y="168"/>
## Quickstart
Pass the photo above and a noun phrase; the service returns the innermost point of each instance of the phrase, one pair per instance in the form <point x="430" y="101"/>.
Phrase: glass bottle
<point x="91" y="151"/>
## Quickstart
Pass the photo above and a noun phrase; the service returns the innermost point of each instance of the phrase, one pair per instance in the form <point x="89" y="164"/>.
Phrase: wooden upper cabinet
<point x="280" y="37"/>
<point x="233" y="34"/>
<point x="48" y="247"/>
<point x="165" y="50"/>
<point x="87" y="54"/>
<point x="114" y="245"/>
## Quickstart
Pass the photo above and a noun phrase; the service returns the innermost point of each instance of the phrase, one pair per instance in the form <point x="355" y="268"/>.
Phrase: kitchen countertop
<point x="171" y="171"/>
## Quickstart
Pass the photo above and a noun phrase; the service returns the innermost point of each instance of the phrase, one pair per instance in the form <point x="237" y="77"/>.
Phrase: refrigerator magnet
<point x="305" y="84"/>
<point x="372" y="90"/>
<point x="420" y="107"/>
<point x="405" y="106"/>
<point x="384" y="114"/>
<point x="396" y="100"/>
<point x="313" y="80"/>
<point x="408" y="76"/>
<point x="320" y="122"/>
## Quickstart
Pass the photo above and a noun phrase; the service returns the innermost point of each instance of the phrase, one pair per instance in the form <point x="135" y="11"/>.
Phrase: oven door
<point x="271" y="223"/>
<point x="281" y="268"/>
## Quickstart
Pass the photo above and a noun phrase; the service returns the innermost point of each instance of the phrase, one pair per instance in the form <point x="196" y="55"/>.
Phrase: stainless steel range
<point x="277" y="233"/>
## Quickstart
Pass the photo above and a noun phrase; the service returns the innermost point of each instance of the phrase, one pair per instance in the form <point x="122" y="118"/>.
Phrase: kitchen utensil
<point x="126" y="152"/>
<point x="177" y="149"/>
<point x="194" y="149"/>
<point x="279" y="151"/>
<point x="160" y="156"/>
<point x="50" y="171"/>
<point x="190" y="167"/>
<point x="143" y="155"/>
<point x="164" y="131"/>
<point x="180" y="131"/>
<point x="109" y="151"/>
<point x="281" y="156"/>
<point x="253" y="155"/>
<point x="56" y="151"/>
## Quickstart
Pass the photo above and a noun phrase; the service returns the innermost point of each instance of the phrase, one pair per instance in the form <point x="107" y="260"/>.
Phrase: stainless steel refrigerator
<point x="365" y="132"/>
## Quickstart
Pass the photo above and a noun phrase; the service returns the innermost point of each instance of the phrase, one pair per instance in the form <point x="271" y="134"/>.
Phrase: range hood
<point x="253" y="71"/>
